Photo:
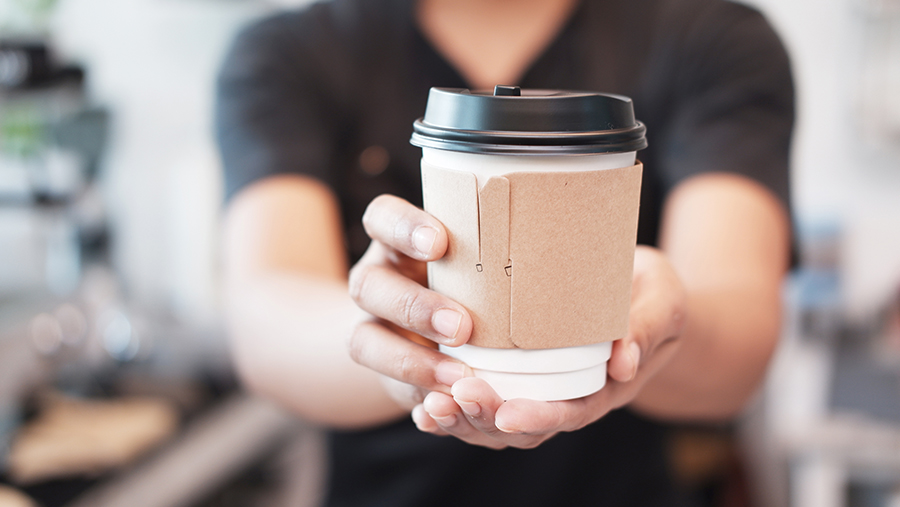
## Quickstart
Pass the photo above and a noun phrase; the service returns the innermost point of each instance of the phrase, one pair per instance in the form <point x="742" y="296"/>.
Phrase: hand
<point x="474" y="413"/>
<point x="410" y="320"/>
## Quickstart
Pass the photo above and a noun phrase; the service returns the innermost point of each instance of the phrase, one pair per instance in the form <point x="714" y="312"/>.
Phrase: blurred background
<point x="115" y="385"/>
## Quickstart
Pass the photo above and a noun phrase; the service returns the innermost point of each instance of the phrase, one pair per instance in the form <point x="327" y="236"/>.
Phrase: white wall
<point x="153" y="63"/>
<point x="840" y="173"/>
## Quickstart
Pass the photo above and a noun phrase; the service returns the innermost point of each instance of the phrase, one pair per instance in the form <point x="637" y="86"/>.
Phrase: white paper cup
<point x="539" y="191"/>
<point x="538" y="374"/>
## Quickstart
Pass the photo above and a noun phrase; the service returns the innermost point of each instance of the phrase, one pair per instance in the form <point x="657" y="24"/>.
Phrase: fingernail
<point x="469" y="407"/>
<point x="423" y="239"/>
<point x="504" y="429"/>
<point x="418" y="417"/>
<point x="446" y="322"/>
<point x="636" y="357"/>
<point x="446" y="422"/>
<point x="448" y="372"/>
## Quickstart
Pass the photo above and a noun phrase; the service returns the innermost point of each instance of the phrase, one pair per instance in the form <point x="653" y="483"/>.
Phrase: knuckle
<point x="367" y="219"/>
<point x="356" y="280"/>
<point x="580" y="422"/>
<point x="406" y="368"/>
<point x="411" y="309"/>
<point x="382" y="200"/>
<point x="402" y="234"/>
<point x="356" y="341"/>
<point x="410" y="370"/>
<point x="678" y="317"/>
<point x="560" y="418"/>
<point x="640" y="334"/>
<point x="404" y="394"/>
<point x="418" y="395"/>
<point x="372" y="209"/>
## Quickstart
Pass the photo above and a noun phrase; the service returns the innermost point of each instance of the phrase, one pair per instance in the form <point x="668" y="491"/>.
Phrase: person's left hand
<point x="474" y="413"/>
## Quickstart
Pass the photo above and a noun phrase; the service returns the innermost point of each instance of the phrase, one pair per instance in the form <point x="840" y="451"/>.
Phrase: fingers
<point x="376" y="347"/>
<point x="524" y="416"/>
<point x="379" y="285"/>
<point x="425" y="423"/>
<point x="658" y="287"/>
<point x="451" y="420"/>
<point x="470" y="415"/>
<point x="385" y="293"/>
<point x="476" y="415"/>
<point x="530" y="417"/>
<point x="443" y="411"/>
<point x="625" y="360"/>
<point x="479" y="402"/>
<point x="658" y="309"/>
<point x="388" y="282"/>
<point x="406" y="228"/>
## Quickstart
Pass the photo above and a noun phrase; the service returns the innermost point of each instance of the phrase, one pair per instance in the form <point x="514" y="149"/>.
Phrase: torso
<point x="363" y="70"/>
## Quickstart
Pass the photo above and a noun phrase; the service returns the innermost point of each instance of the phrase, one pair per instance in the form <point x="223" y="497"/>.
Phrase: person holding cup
<point x="314" y="115"/>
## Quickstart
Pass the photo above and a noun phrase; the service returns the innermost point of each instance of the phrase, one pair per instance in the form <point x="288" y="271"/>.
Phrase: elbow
<point x="250" y="358"/>
<point x="248" y="365"/>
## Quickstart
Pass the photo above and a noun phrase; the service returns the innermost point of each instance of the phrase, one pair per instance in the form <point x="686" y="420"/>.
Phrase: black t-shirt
<point x="309" y="92"/>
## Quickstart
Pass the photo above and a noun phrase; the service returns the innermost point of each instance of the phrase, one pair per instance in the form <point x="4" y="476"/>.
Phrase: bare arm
<point x="728" y="239"/>
<point x="288" y="311"/>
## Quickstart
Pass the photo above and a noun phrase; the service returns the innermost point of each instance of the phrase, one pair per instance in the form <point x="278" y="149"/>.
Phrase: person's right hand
<point x="389" y="282"/>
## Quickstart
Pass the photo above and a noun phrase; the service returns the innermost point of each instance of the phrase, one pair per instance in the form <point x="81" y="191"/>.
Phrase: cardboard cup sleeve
<point x="540" y="259"/>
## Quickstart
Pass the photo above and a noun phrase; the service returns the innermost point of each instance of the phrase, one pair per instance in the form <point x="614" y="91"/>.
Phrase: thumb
<point x="625" y="359"/>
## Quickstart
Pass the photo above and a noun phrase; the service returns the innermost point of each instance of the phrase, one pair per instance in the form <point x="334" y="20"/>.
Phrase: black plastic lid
<point x="538" y="122"/>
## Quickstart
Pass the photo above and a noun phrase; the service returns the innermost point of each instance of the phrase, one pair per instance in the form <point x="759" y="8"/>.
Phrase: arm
<point x="288" y="311"/>
<point x="728" y="240"/>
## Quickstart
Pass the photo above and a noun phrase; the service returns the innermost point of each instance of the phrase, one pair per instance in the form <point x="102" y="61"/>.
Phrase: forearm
<point x="728" y="239"/>
<point x="289" y="334"/>
<point x="726" y="344"/>
<point x="288" y="310"/>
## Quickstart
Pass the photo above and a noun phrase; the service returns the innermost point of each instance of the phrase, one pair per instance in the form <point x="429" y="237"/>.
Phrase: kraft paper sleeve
<point x="540" y="259"/>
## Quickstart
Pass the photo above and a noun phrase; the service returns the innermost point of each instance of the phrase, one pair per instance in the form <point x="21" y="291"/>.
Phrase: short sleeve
<point x="275" y="111"/>
<point x="733" y="106"/>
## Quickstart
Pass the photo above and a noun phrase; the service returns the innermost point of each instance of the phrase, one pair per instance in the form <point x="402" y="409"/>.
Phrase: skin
<point x="492" y="42"/>
<point x="704" y="315"/>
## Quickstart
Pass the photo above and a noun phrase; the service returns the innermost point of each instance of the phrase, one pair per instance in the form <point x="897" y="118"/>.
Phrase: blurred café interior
<point x="115" y="382"/>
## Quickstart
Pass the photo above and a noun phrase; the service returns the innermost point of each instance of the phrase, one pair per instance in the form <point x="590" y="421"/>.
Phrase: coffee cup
<point x="539" y="192"/>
